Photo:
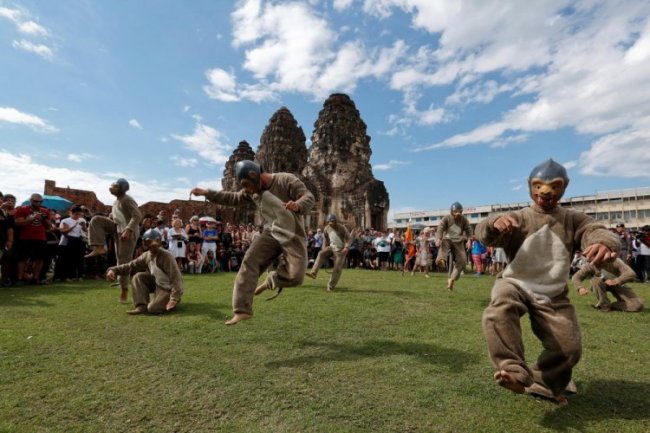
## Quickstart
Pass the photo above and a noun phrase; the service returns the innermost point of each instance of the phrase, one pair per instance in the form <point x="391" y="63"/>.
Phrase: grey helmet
<point x="123" y="184"/>
<point x="152" y="235"/>
<point x="549" y="170"/>
<point x="455" y="206"/>
<point x="331" y="217"/>
<point x="248" y="170"/>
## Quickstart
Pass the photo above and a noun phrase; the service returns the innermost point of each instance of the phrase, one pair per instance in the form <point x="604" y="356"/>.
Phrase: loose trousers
<point x="339" y="260"/>
<point x="460" y="256"/>
<point x="553" y="322"/>
<point x="101" y="227"/>
<point x="143" y="284"/>
<point x="260" y="255"/>
<point x="626" y="299"/>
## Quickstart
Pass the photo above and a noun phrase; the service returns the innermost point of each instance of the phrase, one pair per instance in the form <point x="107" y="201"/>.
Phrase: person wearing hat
<point x="283" y="200"/>
<point x="455" y="233"/>
<point x="609" y="277"/>
<point x="123" y="224"/>
<point x="336" y="244"/>
<point x="156" y="272"/>
<point x="539" y="242"/>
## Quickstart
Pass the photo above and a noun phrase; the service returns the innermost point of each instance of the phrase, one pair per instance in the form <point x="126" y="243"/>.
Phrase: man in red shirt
<point x="33" y="221"/>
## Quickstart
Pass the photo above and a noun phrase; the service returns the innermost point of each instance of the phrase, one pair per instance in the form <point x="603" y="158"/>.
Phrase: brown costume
<point x="620" y="273"/>
<point x="539" y="253"/>
<point x="453" y="235"/>
<point x="283" y="235"/>
<point x="124" y="215"/>
<point x="336" y="239"/>
<point x="157" y="273"/>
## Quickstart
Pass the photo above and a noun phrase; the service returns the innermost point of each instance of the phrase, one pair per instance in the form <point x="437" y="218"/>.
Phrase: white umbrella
<point x="207" y="219"/>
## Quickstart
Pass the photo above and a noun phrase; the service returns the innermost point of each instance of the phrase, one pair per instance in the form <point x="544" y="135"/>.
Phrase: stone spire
<point x="339" y="167"/>
<point x="242" y="152"/>
<point x="282" y="145"/>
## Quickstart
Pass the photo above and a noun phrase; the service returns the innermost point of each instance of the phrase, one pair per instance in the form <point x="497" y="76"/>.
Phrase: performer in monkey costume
<point x="283" y="200"/>
<point x="336" y="245"/>
<point x="610" y="277"/>
<point x="123" y="224"/>
<point x="539" y="242"/>
<point x="454" y="232"/>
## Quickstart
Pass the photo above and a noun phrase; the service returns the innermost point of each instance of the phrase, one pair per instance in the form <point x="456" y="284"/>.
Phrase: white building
<point x="629" y="206"/>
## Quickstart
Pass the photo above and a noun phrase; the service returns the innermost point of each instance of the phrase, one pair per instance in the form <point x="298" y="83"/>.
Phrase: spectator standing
<point x="193" y="258"/>
<point x="7" y="233"/>
<point x="71" y="246"/>
<point x="177" y="241"/>
<point x="33" y="221"/>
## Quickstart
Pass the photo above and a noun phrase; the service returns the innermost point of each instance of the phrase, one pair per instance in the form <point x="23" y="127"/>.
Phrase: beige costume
<point x="336" y="239"/>
<point x="454" y="235"/>
<point x="157" y="273"/>
<point x="626" y="299"/>
<point x="283" y="237"/>
<point x="539" y="253"/>
<point x="124" y="215"/>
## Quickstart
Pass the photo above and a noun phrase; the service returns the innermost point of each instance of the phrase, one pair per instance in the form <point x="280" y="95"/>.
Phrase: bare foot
<point x="541" y="390"/>
<point x="442" y="264"/>
<point x="450" y="284"/>
<point x="98" y="251"/>
<point x="311" y="275"/>
<point x="137" y="310"/>
<point x="508" y="381"/>
<point x="262" y="287"/>
<point x="123" y="296"/>
<point x="238" y="317"/>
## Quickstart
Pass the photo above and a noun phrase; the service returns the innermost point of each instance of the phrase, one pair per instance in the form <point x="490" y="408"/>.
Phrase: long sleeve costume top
<point x="162" y="266"/>
<point x="283" y="224"/>
<point x="616" y="270"/>
<point x="452" y="230"/>
<point x="540" y="250"/>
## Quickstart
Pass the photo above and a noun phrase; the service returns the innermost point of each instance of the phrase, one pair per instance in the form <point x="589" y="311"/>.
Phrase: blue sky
<point x="461" y="98"/>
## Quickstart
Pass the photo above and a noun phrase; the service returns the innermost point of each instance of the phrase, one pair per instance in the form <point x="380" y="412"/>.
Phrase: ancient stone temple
<point x="339" y="168"/>
<point x="242" y="152"/>
<point x="336" y="168"/>
<point x="282" y="136"/>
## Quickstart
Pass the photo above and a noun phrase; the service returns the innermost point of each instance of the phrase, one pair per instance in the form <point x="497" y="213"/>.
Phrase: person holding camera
<point x="34" y="222"/>
<point x="177" y="242"/>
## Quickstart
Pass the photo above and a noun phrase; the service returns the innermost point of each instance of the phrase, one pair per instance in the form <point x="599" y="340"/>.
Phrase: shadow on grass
<point x="599" y="401"/>
<point x="31" y="295"/>
<point x="455" y="360"/>
<point x="210" y="310"/>
<point x="400" y="293"/>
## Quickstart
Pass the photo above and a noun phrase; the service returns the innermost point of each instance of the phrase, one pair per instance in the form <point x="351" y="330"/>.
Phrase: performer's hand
<point x="198" y="191"/>
<point x="597" y="254"/>
<point x="506" y="223"/>
<point x="110" y="275"/>
<point x="171" y="304"/>
<point x="611" y="282"/>
<point x="292" y="206"/>
<point x="583" y="291"/>
<point x="126" y="234"/>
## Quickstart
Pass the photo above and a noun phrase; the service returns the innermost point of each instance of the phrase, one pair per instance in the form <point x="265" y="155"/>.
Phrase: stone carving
<point x="339" y="167"/>
<point x="242" y="152"/>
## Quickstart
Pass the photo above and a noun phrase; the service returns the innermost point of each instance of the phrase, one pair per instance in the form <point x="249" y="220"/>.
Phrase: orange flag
<point x="408" y="240"/>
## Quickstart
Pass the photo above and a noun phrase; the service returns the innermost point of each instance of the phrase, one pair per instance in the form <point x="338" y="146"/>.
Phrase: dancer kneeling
<point x="157" y="272"/>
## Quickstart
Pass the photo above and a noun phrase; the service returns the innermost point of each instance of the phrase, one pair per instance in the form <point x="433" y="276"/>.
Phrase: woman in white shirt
<point x="177" y="241"/>
<point x="70" y="261"/>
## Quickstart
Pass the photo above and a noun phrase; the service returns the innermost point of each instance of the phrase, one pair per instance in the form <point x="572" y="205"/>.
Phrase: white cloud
<point x="134" y="123"/>
<point x="207" y="142"/>
<point x="26" y="176"/>
<point x="390" y="165"/>
<point x="341" y="5"/>
<point x="11" y="115"/>
<point x="288" y="47"/>
<point x="13" y="15"/>
<point x="32" y="28"/>
<point x="80" y="157"/>
<point x="40" y="49"/>
<point x="184" y="162"/>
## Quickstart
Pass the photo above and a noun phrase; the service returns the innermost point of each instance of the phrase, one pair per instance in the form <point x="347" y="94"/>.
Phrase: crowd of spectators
<point x="35" y="241"/>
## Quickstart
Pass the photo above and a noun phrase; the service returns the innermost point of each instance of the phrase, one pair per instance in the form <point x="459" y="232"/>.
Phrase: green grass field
<point x="383" y="353"/>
